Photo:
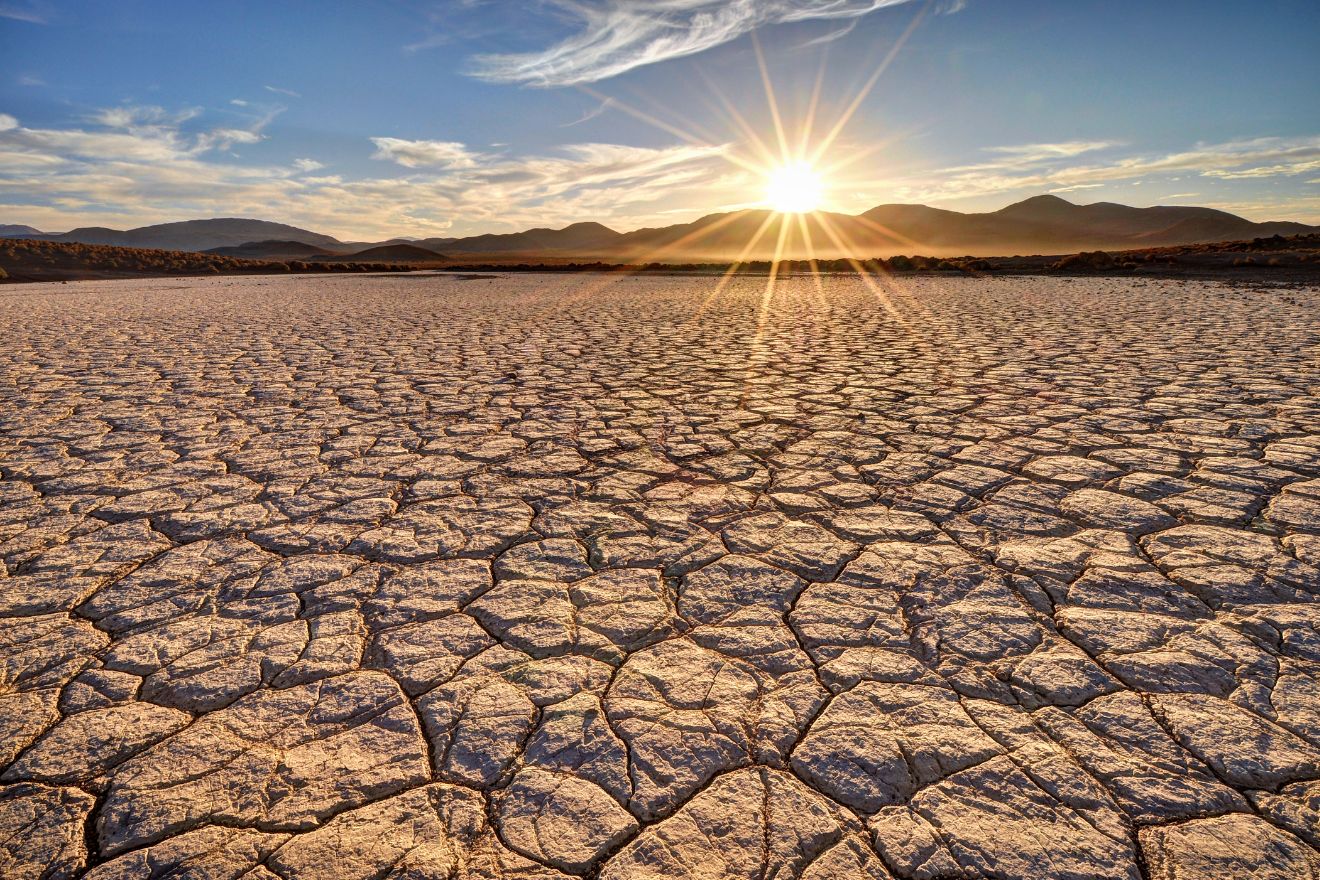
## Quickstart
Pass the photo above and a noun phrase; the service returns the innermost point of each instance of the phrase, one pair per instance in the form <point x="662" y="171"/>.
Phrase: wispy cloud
<point x="1020" y="156"/>
<point x="1043" y="152"/>
<point x="142" y="116"/>
<point x="423" y="154"/>
<point x="619" y="35"/>
<point x="127" y="133"/>
<point x="279" y="91"/>
<point x="31" y="11"/>
<point x="1076" y="187"/>
<point x="1053" y="167"/>
<point x="1286" y="169"/>
<point x="224" y="138"/>
<point x="591" y="114"/>
<point x="145" y="173"/>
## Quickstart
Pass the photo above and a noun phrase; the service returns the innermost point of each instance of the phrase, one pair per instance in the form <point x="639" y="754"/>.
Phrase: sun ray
<point x="740" y="121"/>
<point x="856" y="154"/>
<point x="883" y="296"/>
<point x="811" y="253"/>
<point x="865" y="90"/>
<point x="637" y="263"/>
<point x="920" y="337"/>
<point x="733" y="267"/>
<point x="809" y="120"/>
<point x="649" y="119"/>
<point x="757" y="355"/>
<point x="885" y="230"/>
<point x="662" y="110"/>
<point x="784" y="154"/>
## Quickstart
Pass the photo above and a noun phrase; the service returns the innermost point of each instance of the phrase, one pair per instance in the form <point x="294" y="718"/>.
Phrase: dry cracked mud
<point x="548" y="576"/>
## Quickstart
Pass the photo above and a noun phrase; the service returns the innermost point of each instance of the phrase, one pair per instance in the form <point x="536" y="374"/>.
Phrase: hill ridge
<point x="1044" y="223"/>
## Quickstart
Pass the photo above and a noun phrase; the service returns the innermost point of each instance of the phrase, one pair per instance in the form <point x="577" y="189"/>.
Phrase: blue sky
<point x="403" y="117"/>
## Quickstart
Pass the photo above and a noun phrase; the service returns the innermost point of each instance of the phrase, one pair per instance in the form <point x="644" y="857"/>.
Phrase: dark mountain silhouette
<point x="576" y="238"/>
<point x="1040" y="225"/>
<point x="271" y="250"/>
<point x="1176" y="224"/>
<point x="17" y="230"/>
<point x="1043" y="224"/>
<point x="197" y="235"/>
<point x="388" y="253"/>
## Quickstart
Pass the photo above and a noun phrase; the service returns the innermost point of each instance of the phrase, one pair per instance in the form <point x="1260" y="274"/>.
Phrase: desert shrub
<point x="3" y="273"/>
<point x="1087" y="261"/>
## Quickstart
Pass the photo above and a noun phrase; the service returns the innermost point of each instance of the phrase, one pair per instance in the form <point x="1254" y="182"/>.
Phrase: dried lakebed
<point x="633" y="578"/>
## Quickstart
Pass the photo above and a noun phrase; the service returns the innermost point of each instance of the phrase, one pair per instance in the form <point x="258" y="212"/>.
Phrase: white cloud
<point x="1030" y="168"/>
<point x="129" y="116"/>
<point x="279" y="91"/>
<point x="1076" y="187"/>
<point x="423" y="154"/>
<point x="60" y="178"/>
<point x="224" y="138"/>
<point x="125" y="134"/>
<point x="1287" y="169"/>
<point x="620" y="35"/>
<point x="1043" y="152"/>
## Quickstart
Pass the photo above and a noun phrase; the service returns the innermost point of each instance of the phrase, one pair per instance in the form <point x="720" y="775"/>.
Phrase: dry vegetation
<point x="31" y="260"/>
<point x="1283" y="258"/>
<point x="1294" y="258"/>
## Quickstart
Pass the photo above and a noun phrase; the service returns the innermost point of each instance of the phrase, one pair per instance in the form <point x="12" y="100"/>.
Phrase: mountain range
<point x="1042" y="224"/>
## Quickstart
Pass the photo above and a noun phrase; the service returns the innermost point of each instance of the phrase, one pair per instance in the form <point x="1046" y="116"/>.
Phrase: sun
<point x="794" y="188"/>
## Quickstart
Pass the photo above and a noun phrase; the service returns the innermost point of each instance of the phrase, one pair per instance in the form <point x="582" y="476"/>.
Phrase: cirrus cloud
<point x="620" y="35"/>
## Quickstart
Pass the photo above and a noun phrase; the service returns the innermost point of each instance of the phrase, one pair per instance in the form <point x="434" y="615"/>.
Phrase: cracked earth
<point x="551" y="576"/>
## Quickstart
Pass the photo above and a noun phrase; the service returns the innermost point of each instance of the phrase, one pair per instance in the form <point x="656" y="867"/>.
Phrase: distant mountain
<point x="1167" y="224"/>
<point x="1040" y="225"/>
<point x="17" y="230"/>
<point x="198" y="235"/>
<point x="271" y="250"/>
<point x="389" y="253"/>
<point x="576" y="238"/>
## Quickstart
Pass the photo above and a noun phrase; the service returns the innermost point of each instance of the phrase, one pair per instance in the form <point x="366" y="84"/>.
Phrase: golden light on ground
<point x="794" y="188"/>
<point x="799" y="167"/>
